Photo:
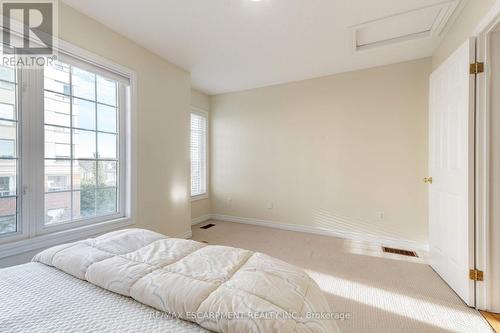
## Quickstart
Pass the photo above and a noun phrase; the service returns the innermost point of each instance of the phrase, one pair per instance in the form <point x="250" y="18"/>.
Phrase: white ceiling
<point x="231" y="45"/>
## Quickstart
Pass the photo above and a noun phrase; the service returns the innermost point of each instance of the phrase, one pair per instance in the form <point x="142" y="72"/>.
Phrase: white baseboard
<point x="185" y="235"/>
<point x="201" y="219"/>
<point x="346" y="234"/>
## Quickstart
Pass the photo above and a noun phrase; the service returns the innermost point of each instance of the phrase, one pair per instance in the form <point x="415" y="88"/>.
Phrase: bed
<point x="136" y="280"/>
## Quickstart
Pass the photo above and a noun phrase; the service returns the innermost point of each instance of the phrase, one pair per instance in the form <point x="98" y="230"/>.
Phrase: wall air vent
<point x="418" y="23"/>
<point x="400" y="252"/>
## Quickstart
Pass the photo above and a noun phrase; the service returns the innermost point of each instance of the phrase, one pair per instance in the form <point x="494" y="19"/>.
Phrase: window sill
<point x="45" y="241"/>
<point x="199" y="197"/>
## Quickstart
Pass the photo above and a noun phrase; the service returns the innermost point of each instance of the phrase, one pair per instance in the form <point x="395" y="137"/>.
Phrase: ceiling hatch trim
<point x="423" y="22"/>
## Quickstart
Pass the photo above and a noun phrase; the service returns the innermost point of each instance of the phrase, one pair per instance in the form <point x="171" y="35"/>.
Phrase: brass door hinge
<point x="476" y="275"/>
<point x="477" y="67"/>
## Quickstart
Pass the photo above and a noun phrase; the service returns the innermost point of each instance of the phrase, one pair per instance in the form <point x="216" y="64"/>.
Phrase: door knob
<point x="428" y="180"/>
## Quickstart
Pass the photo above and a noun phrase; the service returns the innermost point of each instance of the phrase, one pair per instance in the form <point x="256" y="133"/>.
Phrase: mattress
<point x="37" y="298"/>
<point x="222" y="289"/>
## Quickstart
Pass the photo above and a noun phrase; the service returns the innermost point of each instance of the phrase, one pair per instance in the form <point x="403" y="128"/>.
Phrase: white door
<point x="451" y="166"/>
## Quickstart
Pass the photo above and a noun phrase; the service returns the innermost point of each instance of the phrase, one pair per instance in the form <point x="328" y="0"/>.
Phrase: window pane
<point x="57" y="175"/>
<point x="84" y="144"/>
<point x="57" y="142"/>
<point x="7" y="224"/>
<point x="84" y="174"/>
<point x="84" y="204"/>
<point x="57" y="207"/>
<point x="7" y="111"/>
<point x="107" y="174"/>
<point x="8" y="133"/>
<point x="8" y="217"/>
<point x="8" y="178"/>
<point x="8" y="206"/>
<point x="7" y="74"/>
<point x="57" y="78"/>
<point x="83" y="114"/>
<point x="81" y="144"/>
<point x="107" y="145"/>
<point x="106" y="118"/>
<point x="57" y="109"/>
<point x="7" y="148"/>
<point x="106" y="201"/>
<point x="7" y="92"/>
<point x="83" y="84"/>
<point x="106" y="91"/>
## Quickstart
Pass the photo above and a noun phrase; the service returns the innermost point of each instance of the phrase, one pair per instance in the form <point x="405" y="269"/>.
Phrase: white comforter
<point x="222" y="289"/>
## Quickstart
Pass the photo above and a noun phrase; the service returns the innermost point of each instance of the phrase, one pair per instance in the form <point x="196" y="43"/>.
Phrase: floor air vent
<point x="400" y="252"/>
<point x="208" y="226"/>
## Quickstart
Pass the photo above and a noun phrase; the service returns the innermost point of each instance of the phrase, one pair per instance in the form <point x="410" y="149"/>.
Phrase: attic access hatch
<point x="418" y="23"/>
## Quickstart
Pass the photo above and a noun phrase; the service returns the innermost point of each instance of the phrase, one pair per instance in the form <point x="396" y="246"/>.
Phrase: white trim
<point x="445" y="13"/>
<point x="132" y="146"/>
<point x="483" y="159"/>
<point x="355" y="236"/>
<point x="482" y="177"/>
<point x="489" y="21"/>
<point x="206" y="115"/>
<point x="201" y="219"/>
<point x="185" y="235"/>
<point x="56" y="238"/>
<point x="199" y="197"/>
<point x="200" y="110"/>
<point x="97" y="60"/>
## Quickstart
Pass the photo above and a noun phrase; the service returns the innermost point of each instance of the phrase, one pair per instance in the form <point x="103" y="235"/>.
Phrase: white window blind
<point x="199" y="124"/>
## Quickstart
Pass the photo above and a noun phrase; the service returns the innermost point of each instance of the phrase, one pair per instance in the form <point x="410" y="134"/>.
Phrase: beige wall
<point x="330" y="152"/>
<point x="201" y="208"/>
<point x="200" y="100"/>
<point x="164" y="97"/>
<point x="461" y="29"/>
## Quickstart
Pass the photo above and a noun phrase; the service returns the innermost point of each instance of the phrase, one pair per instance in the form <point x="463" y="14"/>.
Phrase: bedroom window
<point x="199" y="126"/>
<point x="81" y="144"/>
<point x="67" y="145"/>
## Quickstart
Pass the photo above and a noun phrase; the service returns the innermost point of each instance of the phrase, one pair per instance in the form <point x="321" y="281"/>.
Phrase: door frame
<point x="483" y="158"/>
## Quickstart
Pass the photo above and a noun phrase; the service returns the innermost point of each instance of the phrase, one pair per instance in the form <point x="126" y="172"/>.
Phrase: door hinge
<point x="476" y="275"/>
<point x="477" y="67"/>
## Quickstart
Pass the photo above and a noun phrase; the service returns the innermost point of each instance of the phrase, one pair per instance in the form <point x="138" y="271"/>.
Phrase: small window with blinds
<point x="199" y="125"/>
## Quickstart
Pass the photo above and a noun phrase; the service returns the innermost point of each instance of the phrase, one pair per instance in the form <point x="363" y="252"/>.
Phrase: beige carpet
<point x="382" y="293"/>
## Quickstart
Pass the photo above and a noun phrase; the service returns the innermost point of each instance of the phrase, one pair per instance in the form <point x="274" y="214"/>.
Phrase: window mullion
<point x="24" y="170"/>
<point x="33" y="168"/>
<point x="123" y="163"/>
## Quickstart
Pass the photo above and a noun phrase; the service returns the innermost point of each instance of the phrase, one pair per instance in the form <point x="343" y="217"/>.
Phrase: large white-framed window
<point x="199" y="154"/>
<point x="66" y="138"/>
